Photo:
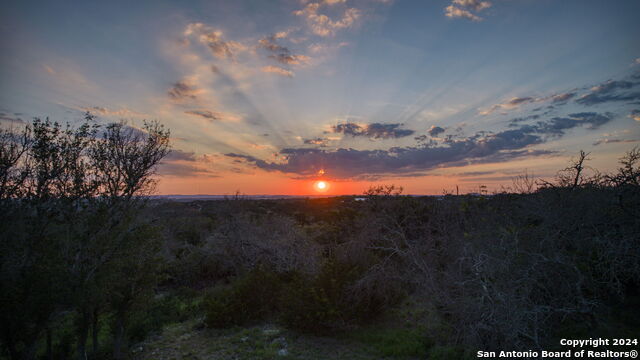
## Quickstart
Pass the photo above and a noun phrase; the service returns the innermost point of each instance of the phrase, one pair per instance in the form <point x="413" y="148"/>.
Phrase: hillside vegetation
<point x="92" y="269"/>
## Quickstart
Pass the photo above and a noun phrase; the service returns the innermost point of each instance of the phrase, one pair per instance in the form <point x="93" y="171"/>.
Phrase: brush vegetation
<point x="89" y="267"/>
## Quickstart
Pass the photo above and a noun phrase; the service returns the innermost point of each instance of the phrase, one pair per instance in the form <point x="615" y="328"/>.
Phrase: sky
<point x="269" y="97"/>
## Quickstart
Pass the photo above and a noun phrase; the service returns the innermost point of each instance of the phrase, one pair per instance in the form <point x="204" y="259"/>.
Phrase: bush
<point x="396" y="342"/>
<point x="249" y="298"/>
<point x="163" y="310"/>
<point x="325" y="303"/>
<point x="448" y="352"/>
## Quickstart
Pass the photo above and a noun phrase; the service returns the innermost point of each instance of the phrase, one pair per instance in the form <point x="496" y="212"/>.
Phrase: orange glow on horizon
<point x="321" y="186"/>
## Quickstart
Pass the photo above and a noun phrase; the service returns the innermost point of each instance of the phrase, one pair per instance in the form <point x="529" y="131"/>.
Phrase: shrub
<point x="396" y="342"/>
<point x="251" y="297"/>
<point x="325" y="302"/>
<point x="448" y="352"/>
<point x="163" y="310"/>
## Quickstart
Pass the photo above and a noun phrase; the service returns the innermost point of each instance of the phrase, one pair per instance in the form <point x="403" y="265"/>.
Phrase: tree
<point x="574" y="176"/>
<point x="72" y="196"/>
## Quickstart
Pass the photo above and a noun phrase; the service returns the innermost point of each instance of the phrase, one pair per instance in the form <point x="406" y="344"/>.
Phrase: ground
<point x="191" y="340"/>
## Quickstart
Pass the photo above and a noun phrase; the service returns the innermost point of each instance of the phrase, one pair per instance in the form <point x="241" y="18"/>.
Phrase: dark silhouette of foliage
<point x="70" y="199"/>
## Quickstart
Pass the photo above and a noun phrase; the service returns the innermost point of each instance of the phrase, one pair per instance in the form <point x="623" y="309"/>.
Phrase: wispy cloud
<point x="557" y="125"/>
<point x="207" y="114"/>
<point x="322" y="25"/>
<point x="180" y="155"/>
<point x="467" y="9"/>
<point x="11" y="119"/>
<point x="512" y="103"/>
<point x="181" y="163"/>
<point x="281" y="53"/>
<point x="613" y="141"/>
<point x="182" y="90"/>
<point x="322" y="142"/>
<point x="635" y="114"/>
<point x="277" y="70"/>
<point x="561" y="98"/>
<point x="103" y="111"/>
<point x="214" y="40"/>
<point x="612" y="90"/>
<point x="606" y="92"/>
<point x="374" y="130"/>
<point x="615" y="137"/>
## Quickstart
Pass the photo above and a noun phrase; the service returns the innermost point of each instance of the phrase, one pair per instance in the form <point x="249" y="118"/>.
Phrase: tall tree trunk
<point x="94" y="331"/>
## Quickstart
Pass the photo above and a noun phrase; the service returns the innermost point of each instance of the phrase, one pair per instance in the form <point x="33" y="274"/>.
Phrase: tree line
<point x="72" y="240"/>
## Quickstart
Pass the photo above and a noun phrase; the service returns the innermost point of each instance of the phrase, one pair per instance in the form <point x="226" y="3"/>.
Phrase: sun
<point x="321" y="186"/>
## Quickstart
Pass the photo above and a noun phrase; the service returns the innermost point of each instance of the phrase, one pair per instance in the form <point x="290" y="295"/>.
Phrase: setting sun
<point x="321" y="186"/>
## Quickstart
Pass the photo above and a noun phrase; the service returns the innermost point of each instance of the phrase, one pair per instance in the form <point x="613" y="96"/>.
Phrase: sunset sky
<point x="268" y="97"/>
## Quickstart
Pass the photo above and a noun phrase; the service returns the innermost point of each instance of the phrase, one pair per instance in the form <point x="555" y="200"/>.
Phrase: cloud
<point x="466" y="9"/>
<point x="510" y="104"/>
<point x="182" y="90"/>
<point x="474" y="5"/>
<point x="290" y="59"/>
<point x="516" y="102"/>
<point x="181" y="170"/>
<point x="213" y="39"/>
<point x="180" y="155"/>
<point x="562" y="98"/>
<point x="635" y="114"/>
<point x="49" y="69"/>
<point x="183" y="163"/>
<point x="321" y="24"/>
<point x="557" y="125"/>
<point x="515" y="121"/>
<point x="474" y="173"/>
<point x="455" y="12"/>
<point x="103" y="111"/>
<point x="277" y="70"/>
<point x="374" y="130"/>
<point x="281" y="53"/>
<point x="270" y="44"/>
<point x="613" y="141"/>
<point x="482" y="147"/>
<point x="351" y="163"/>
<point x="205" y="114"/>
<point x="11" y="119"/>
<point x="609" y="91"/>
<point x="435" y="131"/>
<point x="322" y="142"/>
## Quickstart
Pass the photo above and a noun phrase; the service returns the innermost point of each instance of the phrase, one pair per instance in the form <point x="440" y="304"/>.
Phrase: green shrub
<point x="324" y="303"/>
<point x="448" y="352"/>
<point x="396" y="342"/>
<point x="162" y="310"/>
<point x="249" y="298"/>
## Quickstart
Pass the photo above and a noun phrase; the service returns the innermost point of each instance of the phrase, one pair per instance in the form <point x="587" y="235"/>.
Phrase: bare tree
<point x="524" y="183"/>
<point x="574" y="176"/>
